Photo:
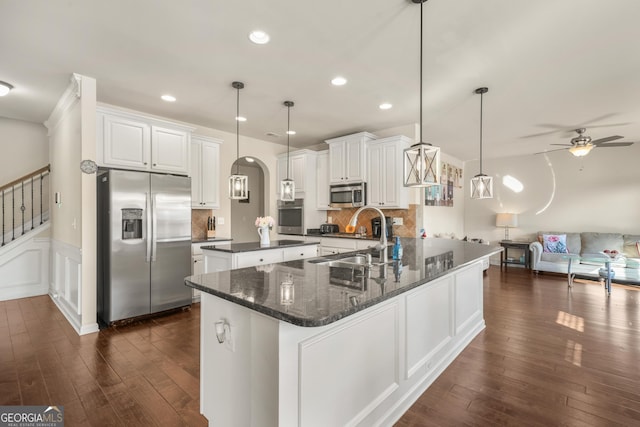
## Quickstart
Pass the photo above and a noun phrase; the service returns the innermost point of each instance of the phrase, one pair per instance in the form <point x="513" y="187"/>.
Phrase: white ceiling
<point x="549" y="65"/>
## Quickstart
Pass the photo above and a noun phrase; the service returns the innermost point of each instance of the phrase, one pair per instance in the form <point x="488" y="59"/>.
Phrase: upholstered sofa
<point x="593" y="246"/>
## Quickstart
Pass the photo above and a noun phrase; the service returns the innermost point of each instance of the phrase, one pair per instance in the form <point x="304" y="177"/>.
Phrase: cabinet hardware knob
<point x="155" y="164"/>
<point x="261" y="259"/>
<point x="145" y="163"/>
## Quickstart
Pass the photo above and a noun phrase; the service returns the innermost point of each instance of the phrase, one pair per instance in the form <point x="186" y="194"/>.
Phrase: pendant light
<point x="287" y="186"/>
<point x="481" y="184"/>
<point x="422" y="160"/>
<point x="238" y="184"/>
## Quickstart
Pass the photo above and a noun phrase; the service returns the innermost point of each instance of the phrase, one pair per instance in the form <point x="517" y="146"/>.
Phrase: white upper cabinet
<point x="322" y="181"/>
<point x="347" y="157"/>
<point x="384" y="163"/>
<point x="205" y="172"/>
<point x="137" y="142"/>
<point x="301" y="162"/>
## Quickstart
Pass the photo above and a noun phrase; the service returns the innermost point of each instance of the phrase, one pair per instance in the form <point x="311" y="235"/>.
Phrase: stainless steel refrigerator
<point x="144" y="243"/>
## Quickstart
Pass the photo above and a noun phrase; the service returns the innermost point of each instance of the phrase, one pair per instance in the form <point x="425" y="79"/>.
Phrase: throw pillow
<point x="554" y="243"/>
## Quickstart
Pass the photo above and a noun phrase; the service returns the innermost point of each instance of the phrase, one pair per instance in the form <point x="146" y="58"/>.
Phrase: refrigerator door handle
<point x="154" y="226"/>
<point x="149" y="230"/>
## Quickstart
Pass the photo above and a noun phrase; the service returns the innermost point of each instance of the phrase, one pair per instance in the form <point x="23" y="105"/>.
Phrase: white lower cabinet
<point x="222" y="260"/>
<point x="197" y="262"/>
<point x="396" y="349"/>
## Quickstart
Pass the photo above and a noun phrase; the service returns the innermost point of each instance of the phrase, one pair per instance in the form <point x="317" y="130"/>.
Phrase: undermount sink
<point x="350" y="261"/>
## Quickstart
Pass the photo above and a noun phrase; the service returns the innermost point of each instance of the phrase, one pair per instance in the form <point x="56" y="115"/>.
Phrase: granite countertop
<point x="212" y="240"/>
<point x="323" y="294"/>
<point x="255" y="246"/>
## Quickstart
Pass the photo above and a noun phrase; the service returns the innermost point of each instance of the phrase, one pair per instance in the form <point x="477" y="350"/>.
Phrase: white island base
<point x="365" y="369"/>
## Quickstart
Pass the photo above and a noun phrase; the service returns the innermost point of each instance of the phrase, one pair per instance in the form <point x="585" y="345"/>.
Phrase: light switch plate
<point x="398" y="221"/>
<point x="220" y="220"/>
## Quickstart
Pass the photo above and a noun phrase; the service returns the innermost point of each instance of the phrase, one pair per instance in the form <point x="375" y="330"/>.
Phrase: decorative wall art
<point x="442" y="194"/>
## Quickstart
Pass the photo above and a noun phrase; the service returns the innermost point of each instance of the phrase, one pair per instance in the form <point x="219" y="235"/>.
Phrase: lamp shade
<point x="507" y="220"/>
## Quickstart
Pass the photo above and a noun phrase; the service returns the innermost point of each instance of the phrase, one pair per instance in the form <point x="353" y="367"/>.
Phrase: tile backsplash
<point x="199" y="223"/>
<point x="408" y="229"/>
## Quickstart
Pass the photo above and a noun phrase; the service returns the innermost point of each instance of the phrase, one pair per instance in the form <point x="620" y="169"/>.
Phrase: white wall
<point x="24" y="147"/>
<point x="600" y="192"/>
<point x="244" y="215"/>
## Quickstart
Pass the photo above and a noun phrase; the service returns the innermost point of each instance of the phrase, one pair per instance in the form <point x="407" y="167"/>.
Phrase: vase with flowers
<point x="264" y="224"/>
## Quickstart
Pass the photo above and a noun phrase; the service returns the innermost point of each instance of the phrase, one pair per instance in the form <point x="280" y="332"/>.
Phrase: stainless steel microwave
<point x="348" y="195"/>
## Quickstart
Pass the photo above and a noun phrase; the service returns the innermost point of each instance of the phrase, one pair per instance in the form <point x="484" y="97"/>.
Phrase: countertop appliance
<point x="291" y="217"/>
<point x="376" y="227"/>
<point x="329" y="229"/>
<point x="144" y="243"/>
<point x="348" y="195"/>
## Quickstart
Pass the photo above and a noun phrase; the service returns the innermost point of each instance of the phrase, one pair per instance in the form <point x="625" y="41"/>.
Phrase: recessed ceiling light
<point x="385" y="106"/>
<point x="241" y="119"/>
<point x="250" y="159"/>
<point x="259" y="37"/>
<point x="168" y="98"/>
<point x="338" y="81"/>
<point x="291" y="132"/>
<point x="5" y="88"/>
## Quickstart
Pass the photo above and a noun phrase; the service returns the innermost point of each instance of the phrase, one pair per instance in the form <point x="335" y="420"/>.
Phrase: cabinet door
<point x="354" y="161"/>
<point x="322" y="181"/>
<point x="195" y="172"/>
<point x="297" y="171"/>
<point x="210" y="175"/>
<point x="169" y="150"/>
<point x="392" y="181"/>
<point x="126" y="143"/>
<point x="337" y="154"/>
<point x="375" y="183"/>
<point x="197" y="264"/>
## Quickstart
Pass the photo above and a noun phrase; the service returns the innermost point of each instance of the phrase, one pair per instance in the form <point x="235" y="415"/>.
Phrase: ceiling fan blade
<point x="564" y="145"/>
<point x="607" y="139"/>
<point x="551" y="151"/>
<point x="616" y="144"/>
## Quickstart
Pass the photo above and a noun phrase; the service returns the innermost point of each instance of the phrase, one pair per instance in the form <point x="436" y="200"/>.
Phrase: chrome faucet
<point x="382" y="245"/>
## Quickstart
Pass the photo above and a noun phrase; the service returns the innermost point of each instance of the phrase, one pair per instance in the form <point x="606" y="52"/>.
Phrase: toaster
<point x="329" y="228"/>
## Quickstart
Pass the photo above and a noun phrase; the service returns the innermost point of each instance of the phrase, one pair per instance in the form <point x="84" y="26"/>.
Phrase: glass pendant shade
<point x="481" y="184"/>
<point x="482" y="187"/>
<point x="421" y="165"/>
<point x="238" y="187"/>
<point x="238" y="184"/>
<point x="287" y="190"/>
<point x="287" y="186"/>
<point x="581" y="150"/>
<point x="421" y="162"/>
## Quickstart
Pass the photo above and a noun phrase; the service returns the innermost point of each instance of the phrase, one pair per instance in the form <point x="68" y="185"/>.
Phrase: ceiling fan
<point x="582" y="144"/>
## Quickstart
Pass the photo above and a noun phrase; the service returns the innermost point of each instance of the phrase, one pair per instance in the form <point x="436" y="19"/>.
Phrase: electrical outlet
<point x="329" y="219"/>
<point x="398" y="221"/>
<point x="220" y="220"/>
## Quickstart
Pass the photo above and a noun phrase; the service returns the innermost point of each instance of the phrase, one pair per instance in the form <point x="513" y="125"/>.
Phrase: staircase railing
<point x="27" y="210"/>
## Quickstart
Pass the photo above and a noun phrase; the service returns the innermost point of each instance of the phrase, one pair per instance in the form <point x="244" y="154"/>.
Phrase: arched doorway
<point x="245" y="212"/>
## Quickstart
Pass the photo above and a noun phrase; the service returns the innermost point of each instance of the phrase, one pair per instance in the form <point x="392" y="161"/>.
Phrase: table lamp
<point x="506" y="220"/>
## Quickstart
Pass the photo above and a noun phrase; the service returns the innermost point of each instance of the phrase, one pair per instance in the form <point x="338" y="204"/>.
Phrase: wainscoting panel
<point x="24" y="268"/>
<point x="66" y="285"/>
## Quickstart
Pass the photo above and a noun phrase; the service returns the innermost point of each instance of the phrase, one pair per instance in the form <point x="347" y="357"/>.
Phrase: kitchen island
<point x="310" y="343"/>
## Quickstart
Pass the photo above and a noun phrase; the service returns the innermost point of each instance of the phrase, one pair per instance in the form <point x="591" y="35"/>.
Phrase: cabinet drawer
<point x="250" y="259"/>
<point x="300" y="252"/>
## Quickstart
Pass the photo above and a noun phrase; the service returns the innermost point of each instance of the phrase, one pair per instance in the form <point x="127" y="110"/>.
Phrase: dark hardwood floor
<point x="548" y="357"/>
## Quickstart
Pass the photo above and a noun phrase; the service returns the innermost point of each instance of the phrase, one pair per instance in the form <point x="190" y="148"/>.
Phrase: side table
<point x="505" y="259"/>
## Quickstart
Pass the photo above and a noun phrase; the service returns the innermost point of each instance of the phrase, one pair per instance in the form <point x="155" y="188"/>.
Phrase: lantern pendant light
<point x="422" y="160"/>
<point x="238" y="184"/>
<point x="481" y="184"/>
<point x="287" y="186"/>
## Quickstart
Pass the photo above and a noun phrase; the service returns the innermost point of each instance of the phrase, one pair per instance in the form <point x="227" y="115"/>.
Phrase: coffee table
<point x="607" y="265"/>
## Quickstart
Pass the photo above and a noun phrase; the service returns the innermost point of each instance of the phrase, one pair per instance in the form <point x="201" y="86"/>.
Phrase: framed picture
<point x="247" y="199"/>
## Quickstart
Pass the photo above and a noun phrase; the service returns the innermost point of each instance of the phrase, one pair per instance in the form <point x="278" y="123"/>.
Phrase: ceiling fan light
<point x="581" y="150"/>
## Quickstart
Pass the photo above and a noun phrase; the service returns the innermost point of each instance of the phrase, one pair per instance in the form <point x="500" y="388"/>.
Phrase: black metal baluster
<point x="13" y="213"/>
<point x="32" y="203"/>
<point x="2" y="218"/>
<point x="41" y="179"/>
<point x="22" y="207"/>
